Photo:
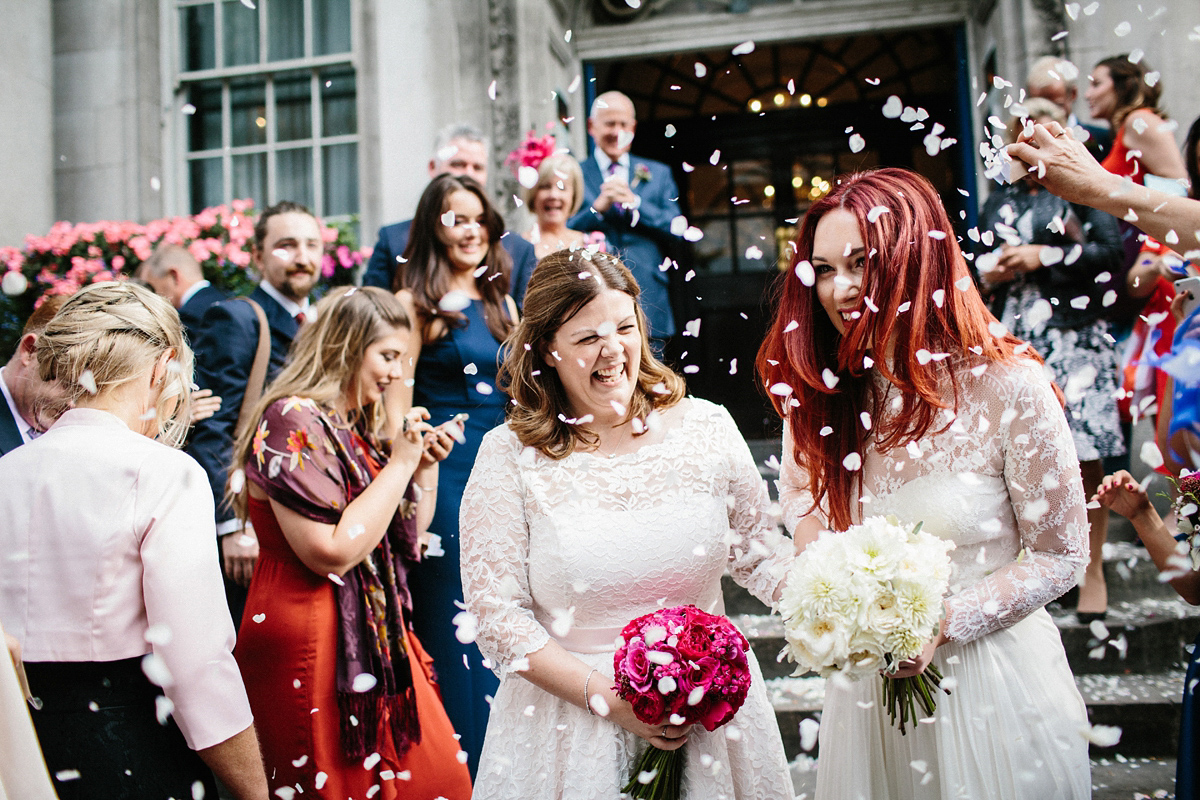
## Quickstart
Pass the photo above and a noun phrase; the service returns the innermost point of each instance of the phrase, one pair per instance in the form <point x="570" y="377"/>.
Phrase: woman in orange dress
<point x="342" y="692"/>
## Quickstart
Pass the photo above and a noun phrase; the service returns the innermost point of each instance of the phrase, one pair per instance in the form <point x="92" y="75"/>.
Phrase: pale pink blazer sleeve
<point x="189" y="623"/>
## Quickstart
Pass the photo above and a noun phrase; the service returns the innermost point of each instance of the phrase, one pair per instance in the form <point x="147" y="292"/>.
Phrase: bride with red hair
<point x="901" y="394"/>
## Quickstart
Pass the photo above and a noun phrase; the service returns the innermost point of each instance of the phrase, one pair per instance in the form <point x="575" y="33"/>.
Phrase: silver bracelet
<point x="587" y="703"/>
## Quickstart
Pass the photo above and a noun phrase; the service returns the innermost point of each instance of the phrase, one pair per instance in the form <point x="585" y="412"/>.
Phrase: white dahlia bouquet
<point x="862" y="601"/>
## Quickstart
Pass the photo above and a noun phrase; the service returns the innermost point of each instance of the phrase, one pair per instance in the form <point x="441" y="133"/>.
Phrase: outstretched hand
<point x="1119" y="492"/>
<point x="1061" y="163"/>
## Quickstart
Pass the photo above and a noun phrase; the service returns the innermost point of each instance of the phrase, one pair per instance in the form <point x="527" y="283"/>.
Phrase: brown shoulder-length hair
<point x="921" y="299"/>
<point x="426" y="268"/>
<point x="1131" y="88"/>
<point x="562" y="284"/>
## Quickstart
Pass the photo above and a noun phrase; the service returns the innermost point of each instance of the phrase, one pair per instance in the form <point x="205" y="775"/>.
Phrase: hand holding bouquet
<point x="682" y="666"/>
<point x="863" y="601"/>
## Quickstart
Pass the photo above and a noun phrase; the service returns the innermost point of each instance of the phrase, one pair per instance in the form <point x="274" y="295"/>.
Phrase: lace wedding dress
<point x="1002" y="482"/>
<point x="575" y="549"/>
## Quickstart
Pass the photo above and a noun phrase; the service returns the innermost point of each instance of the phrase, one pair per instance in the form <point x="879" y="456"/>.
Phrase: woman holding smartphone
<point x="339" y="492"/>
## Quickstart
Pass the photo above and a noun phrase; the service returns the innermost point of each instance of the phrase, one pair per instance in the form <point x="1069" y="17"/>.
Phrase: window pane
<point x="756" y="231"/>
<point x="713" y="251"/>
<point x="285" y="29"/>
<point x="339" y="113"/>
<point x="340" y="172"/>
<point x="206" y="189"/>
<point x="241" y="33"/>
<point x="250" y="178"/>
<point x="331" y="27"/>
<point x="204" y="125"/>
<point x="293" y="107"/>
<point x="248" y="109"/>
<point x="198" y="37"/>
<point x="293" y="176"/>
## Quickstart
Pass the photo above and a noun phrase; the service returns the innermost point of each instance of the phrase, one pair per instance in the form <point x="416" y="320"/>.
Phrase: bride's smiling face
<point x="598" y="356"/>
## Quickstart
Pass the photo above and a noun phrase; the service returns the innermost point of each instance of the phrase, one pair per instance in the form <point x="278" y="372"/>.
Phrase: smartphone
<point x="1190" y="285"/>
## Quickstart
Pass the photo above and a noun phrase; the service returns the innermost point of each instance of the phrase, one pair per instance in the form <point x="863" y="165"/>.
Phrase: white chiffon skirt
<point x="1010" y="730"/>
<point x="538" y="746"/>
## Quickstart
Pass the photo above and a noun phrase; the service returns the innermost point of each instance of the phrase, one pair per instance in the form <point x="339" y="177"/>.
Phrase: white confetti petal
<point x="363" y="682"/>
<point x="809" y="728"/>
<point x="745" y="48"/>
<point x="893" y="108"/>
<point x="14" y="283"/>
<point x="1151" y="456"/>
<point x="806" y="274"/>
<point x="857" y="143"/>
<point x="852" y="462"/>
<point x="875" y="213"/>
<point x="1101" y="735"/>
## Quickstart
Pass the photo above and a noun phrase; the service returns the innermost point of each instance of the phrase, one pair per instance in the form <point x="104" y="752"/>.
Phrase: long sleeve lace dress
<point x="1000" y="478"/>
<point x="573" y="550"/>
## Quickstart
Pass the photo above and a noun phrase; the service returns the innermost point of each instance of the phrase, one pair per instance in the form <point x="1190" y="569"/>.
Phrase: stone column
<point x="26" y="151"/>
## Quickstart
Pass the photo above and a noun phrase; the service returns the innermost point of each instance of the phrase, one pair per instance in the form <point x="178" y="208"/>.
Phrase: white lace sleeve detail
<point x="760" y="555"/>
<point x="494" y="549"/>
<point x="794" y="496"/>
<point x="1041" y="471"/>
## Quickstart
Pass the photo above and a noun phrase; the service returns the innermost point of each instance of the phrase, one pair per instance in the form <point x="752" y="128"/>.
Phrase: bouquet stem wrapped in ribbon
<point x="683" y="666"/>
<point x="860" y="602"/>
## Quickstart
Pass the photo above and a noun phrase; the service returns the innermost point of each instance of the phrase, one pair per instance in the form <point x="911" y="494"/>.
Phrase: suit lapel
<point x="10" y="435"/>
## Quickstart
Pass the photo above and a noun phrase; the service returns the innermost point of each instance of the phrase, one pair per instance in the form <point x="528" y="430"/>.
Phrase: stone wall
<point x="26" y="151"/>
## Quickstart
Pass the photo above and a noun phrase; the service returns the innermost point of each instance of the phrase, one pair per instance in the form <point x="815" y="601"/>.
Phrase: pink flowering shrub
<point x="71" y="256"/>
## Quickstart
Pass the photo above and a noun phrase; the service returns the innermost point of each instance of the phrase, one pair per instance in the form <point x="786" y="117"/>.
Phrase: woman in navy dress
<point x="454" y="282"/>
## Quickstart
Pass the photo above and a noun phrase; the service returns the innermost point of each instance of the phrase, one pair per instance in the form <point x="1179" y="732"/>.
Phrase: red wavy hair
<point x="911" y="253"/>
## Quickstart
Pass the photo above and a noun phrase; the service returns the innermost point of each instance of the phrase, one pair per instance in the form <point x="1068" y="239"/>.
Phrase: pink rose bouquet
<point x="681" y="666"/>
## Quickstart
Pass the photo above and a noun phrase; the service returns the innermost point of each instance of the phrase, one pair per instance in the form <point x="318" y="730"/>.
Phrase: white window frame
<point x="176" y="83"/>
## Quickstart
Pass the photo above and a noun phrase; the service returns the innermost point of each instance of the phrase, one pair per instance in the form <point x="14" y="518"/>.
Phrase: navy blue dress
<point x="1187" y="779"/>
<point x="456" y="373"/>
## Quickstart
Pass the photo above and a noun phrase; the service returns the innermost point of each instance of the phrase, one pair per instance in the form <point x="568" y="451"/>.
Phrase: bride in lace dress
<point x="950" y="423"/>
<point x="607" y="494"/>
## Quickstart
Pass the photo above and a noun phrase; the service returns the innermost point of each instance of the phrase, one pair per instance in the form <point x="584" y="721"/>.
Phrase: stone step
<point x="1148" y="635"/>
<point x="1116" y="778"/>
<point x="1145" y="707"/>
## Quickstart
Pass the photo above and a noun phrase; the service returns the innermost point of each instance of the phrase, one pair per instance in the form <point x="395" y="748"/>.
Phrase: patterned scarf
<point x="371" y="637"/>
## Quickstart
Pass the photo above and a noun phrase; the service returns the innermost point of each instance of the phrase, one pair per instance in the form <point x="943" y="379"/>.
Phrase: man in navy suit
<point x="29" y="402"/>
<point x="459" y="150"/>
<point x="174" y="273"/>
<point x="287" y="253"/>
<point x="633" y="202"/>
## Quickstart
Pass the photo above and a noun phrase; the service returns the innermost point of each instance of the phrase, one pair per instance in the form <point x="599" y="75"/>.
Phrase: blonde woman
<point x="557" y="196"/>
<point x="342" y="689"/>
<point x="111" y="582"/>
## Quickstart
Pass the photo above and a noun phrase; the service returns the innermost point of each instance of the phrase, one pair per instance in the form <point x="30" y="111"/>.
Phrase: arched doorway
<point x="782" y="117"/>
